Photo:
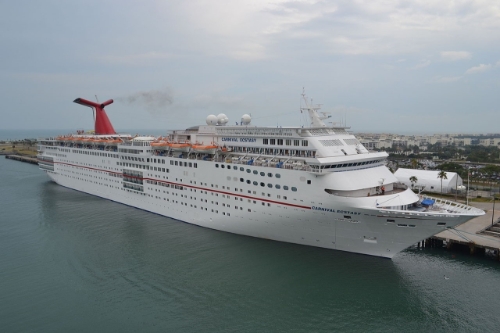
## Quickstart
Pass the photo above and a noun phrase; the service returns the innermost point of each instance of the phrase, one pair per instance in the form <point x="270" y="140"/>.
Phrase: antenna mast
<point x="316" y="120"/>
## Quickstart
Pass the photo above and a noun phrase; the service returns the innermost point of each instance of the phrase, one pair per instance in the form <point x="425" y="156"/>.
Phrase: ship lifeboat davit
<point x="206" y="149"/>
<point x="177" y="146"/>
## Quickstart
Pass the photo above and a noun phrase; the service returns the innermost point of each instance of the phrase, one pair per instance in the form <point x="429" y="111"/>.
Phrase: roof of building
<point x="426" y="176"/>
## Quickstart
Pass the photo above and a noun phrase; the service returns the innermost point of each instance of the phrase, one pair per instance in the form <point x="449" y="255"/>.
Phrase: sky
<point x="415" y="66"/>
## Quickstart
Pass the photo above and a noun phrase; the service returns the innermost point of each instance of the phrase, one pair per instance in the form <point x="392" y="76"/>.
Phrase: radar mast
<point x="316" y="119"/>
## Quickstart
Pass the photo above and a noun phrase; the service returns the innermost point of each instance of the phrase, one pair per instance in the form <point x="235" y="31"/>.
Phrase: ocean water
<point x="71" y="262"/>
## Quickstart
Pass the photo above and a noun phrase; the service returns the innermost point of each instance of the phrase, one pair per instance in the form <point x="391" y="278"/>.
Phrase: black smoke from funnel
<point x="154" y="100"/>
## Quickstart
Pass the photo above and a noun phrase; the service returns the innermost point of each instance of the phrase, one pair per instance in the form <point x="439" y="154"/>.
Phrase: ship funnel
<point x="102" y="123"/>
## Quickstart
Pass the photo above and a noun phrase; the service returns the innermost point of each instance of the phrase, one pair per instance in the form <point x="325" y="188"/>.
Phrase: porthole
<point x="248" y="181"/>
<point x="216" y="164"/>
<point x="255" y="183"/>
<point x="248" y="170"/>
<point x="263" y="174"/>
<point x="262" y="184"/>
<point x="242" y="169"/>
<point x="242" y="180"/>
<point x="255" y="172"/>
<point x="278" y="175"/>
<point x="269" y="174"/>
<point x="277" y="186"/>
<point x="285" y="188"/>
<point x="270" y="185"/>
<point x="294" y="189"/>
<point x="235" y="167"/>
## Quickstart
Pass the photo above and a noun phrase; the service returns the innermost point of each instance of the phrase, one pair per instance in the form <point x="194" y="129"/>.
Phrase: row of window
<point x="277" y="186"/>
<point x="287" y="142"/>
<point x="94" y="153"/>
<point x="186" y="164"/>
<point x="333" y="166"/>
<point x="255" y="172"/>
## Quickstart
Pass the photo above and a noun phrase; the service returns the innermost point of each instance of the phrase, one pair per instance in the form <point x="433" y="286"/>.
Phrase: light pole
<point x="493" y="212"/>
<point x="467" y="192"/>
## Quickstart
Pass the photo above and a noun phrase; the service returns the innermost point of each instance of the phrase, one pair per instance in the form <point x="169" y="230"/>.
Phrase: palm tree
<point x="442" y="175"/>
<point x="413" y="181"/>
<point x="414" y="163"/>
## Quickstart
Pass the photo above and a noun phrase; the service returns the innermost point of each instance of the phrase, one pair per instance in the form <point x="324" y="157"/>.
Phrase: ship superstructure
<point x="315" y="185"/>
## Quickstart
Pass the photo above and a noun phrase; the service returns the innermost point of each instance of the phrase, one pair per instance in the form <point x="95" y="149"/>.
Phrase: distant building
<point x="429" y="179"/>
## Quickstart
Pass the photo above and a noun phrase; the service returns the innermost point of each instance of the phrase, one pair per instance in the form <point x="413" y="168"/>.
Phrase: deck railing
<point x="452" y="206"/>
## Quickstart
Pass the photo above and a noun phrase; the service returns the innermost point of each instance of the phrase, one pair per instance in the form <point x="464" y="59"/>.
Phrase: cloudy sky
<point x="397" y="66"/>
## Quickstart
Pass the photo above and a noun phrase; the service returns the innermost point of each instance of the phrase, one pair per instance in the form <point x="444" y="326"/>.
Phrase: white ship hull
<point x="314" y="220"/>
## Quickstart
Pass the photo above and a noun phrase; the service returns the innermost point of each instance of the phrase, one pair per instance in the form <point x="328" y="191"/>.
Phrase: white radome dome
<point x="246" y="119"/>
<point x="212" y="120"/>
<point x="222" y="119"/>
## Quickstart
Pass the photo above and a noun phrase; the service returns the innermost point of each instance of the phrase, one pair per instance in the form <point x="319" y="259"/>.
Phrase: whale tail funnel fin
<point x="102" y="123"/>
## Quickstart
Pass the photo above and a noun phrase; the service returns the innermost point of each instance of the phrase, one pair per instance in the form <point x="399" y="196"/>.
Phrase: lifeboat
<point x="206" y="149"/>
<point x="159" y="144"/>
<point x="113" y="141"/>
<point x="177" y="146"/>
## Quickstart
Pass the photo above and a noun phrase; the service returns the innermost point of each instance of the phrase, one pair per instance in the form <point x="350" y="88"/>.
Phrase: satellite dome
<point x="212" y="120"/>
<point x="246" y="119"/>
<point x="222" y="119"/>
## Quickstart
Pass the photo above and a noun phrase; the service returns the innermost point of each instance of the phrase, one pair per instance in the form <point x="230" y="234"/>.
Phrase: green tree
<point x="414" y="163"/>
<point x="442" y="175"/>
<point x="453" y="167"/>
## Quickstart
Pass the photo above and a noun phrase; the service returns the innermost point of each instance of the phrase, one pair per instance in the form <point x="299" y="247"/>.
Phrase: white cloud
<point x="455" y="55"/>
<point x="262" y="29"/>
<point x="478" y="69"/>
<point x="422" y="64"/>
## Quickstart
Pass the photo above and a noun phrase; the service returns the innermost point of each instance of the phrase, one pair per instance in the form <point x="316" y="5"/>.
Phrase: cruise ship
<point x="313" y="185"/>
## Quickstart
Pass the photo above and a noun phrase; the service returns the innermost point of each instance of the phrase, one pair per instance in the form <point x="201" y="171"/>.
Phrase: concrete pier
<point x="20" y="158"/>
<point x="474" y="234"/>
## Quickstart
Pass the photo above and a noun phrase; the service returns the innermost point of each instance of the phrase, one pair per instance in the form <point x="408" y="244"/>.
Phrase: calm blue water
<point x="70" y="262"/>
